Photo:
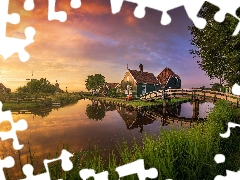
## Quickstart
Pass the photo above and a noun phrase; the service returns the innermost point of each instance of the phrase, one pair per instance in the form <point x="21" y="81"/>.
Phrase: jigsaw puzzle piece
<point x="87" y="173"/>
<point x="21" y="125"/>
<point x="75" y="4"/>
<point x="9" y="46"/>
<point x="139" y="11"/>
<point x="137" y="167"/>
<point x="66" y="164"/>
<point x="230" y="175"/>
<point x="212" y="10"/>
<point x="236" y="89"/>
<point x="7" y="162"/>
<point x="28" y="5"/>
<point x="28" y="171"/>
<point x="53" y="15"/>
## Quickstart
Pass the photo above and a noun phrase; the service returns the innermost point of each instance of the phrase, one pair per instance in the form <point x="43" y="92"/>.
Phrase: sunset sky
<point x="94" y="41"/>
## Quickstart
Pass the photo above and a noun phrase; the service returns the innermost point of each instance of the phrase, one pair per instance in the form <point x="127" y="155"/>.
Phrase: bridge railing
<point x="191" y="92"/>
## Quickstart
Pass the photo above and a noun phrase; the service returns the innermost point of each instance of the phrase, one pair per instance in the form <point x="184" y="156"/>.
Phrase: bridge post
<point x="195" y="109"/>
<point x="164" y="103"/>
<point x="237" y="102"/>
<point x="215" y="98"/>
<point x="204" y="95"/>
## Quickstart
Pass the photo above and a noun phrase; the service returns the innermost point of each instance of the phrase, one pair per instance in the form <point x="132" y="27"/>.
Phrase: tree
<point x="216" y="87"/>
<point x="217" y="48"/>
<point x="112" y="92"/>
<point x="37" y="86"/>
<point x="94" y="82"/>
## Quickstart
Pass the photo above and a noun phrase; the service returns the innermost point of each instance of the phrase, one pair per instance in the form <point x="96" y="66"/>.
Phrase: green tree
<point x="112" y="92"/>
<point x="217" y="48"/>
<point x="37" y="86"/>
<point x="216" y="87"/>
<point x="94" y="82"/>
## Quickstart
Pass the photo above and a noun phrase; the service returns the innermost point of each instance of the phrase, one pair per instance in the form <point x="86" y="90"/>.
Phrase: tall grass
<point x="176" y="154"/>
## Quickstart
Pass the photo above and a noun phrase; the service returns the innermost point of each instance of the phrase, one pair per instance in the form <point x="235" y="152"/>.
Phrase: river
<point x="82" y="125"/>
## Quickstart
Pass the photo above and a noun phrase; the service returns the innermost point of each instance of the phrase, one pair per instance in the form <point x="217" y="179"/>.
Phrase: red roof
<point x="144" y="77"/>
<point x="164" y="76"/>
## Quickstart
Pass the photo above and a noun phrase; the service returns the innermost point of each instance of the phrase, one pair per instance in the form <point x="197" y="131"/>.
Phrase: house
<point x="169" y="79"/>
<point x="3" y="89"/>
<point x="107" y="86"/>
<point x="137" y="82"/>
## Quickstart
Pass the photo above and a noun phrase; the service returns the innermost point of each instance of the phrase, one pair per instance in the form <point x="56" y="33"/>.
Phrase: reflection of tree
<point x="41" y="112"/>
<point x="95" y="112"/>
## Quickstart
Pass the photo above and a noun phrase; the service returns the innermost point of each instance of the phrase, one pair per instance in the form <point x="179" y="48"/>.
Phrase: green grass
<point x="21" y="106"/>
<point x="138" y="103"/>
<point x="63" y="98"/>
<point x="176" y="154"/>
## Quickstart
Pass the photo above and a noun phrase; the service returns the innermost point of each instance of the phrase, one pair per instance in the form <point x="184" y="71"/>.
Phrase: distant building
<point x="139" y="82"/>
<point x="3" y="89"/>
<point x="168" y="79"/>
<point x="57" y="87"/>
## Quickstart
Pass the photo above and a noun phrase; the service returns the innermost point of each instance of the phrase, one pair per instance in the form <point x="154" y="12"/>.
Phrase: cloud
<point x="93" y="40"/>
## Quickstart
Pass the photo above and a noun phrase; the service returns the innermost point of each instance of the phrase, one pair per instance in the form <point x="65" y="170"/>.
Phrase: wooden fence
<point x="26" y="100"/>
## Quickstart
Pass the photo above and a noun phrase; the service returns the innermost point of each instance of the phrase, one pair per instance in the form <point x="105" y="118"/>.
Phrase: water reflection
<point x="86" y="122"/>
<point x="188" y="112"/>
<point x="134" y="119"/>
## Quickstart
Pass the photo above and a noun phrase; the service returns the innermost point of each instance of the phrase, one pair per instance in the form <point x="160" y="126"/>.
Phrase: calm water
<point x="82" y="124"/>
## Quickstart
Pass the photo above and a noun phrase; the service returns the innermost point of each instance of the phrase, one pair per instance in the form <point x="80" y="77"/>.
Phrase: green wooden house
<point x="140" y="82"/>
<point x="168" y="79"/>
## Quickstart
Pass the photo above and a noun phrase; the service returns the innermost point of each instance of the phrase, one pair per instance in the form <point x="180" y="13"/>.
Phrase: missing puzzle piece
<point x="8" y="45"/>
<point x="8" y="162"/>
<point x="21" y="125"/>
<point x="192" y="8"/>
<point x="66" y="166"/>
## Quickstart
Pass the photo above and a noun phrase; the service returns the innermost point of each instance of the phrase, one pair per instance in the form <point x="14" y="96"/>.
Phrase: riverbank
<point x="176" y="154"/>
<point x="137" y="103"/>
<point x="29" y="102"/>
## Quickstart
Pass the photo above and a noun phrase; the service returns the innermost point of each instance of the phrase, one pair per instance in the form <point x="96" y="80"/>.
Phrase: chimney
<point x="141" y="67"/>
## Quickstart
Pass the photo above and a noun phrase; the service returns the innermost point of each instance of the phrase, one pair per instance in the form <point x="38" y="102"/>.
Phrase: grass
<point x="176" y="154"/>
<point x="137" y="102"/>
<point x="21" y="106"/>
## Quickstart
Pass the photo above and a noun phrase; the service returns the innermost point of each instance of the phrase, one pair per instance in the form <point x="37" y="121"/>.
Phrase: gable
<point x="165" y="75"/>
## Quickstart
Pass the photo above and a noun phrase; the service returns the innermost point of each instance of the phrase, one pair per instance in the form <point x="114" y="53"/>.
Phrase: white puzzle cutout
<point x="192" y="8"/>
<point x="21" y="125"/>
<point x="66" y="166"/>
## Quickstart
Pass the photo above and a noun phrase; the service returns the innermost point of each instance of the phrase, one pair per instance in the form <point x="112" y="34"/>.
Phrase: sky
<point x="94" y="41"/>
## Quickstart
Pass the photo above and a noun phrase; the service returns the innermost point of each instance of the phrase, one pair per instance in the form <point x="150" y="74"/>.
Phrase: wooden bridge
<point x="190" y="93"/>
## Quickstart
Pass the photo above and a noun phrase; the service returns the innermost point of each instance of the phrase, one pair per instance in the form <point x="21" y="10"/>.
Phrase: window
<point x="127" y="78"/>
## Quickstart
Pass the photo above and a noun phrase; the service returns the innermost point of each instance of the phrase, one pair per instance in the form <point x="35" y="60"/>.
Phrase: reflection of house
<point x="140" y="82"/>
<point x="3" y="89"/>
<point x="169" y="79"/>
<point x="134" y="119"/>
